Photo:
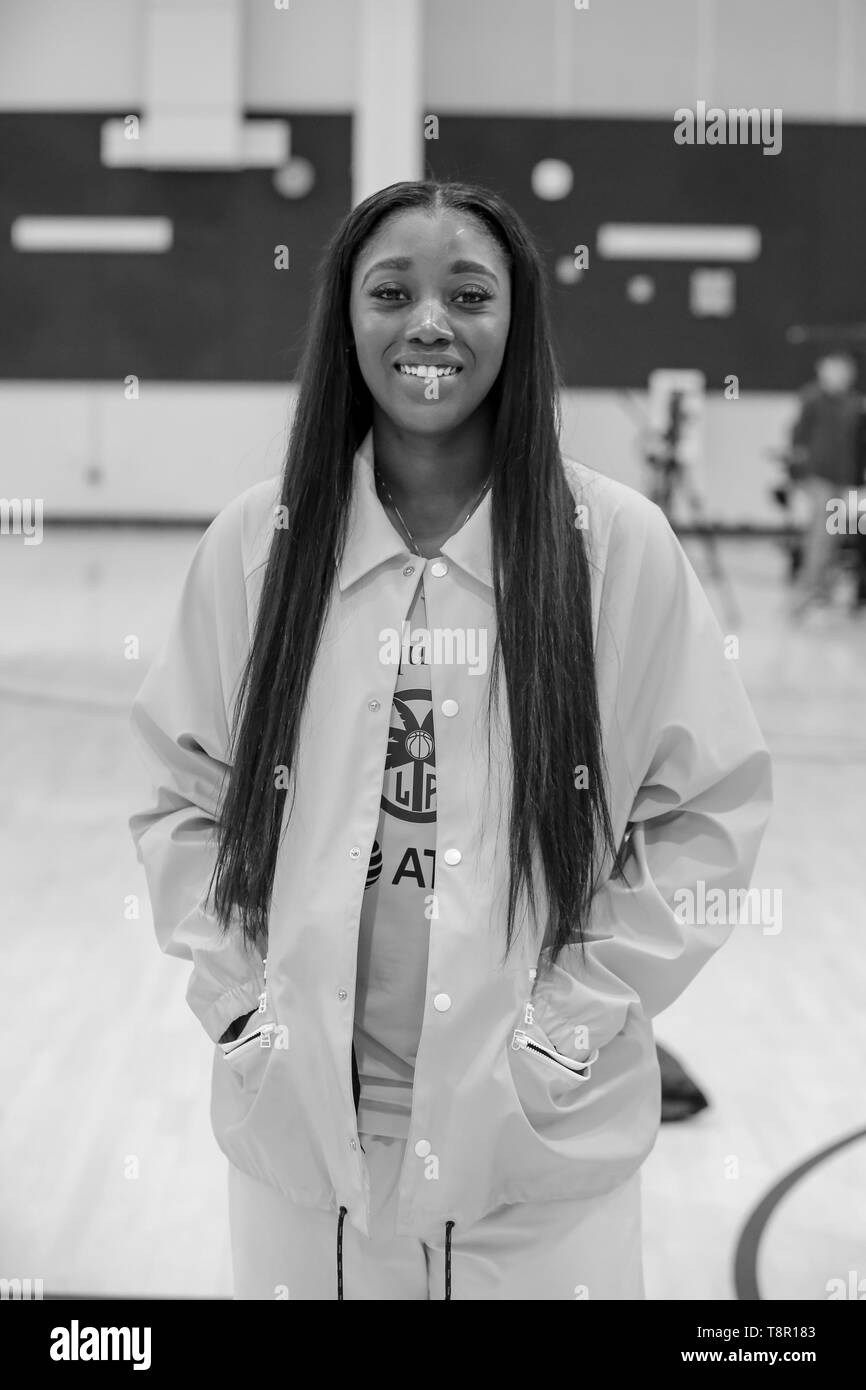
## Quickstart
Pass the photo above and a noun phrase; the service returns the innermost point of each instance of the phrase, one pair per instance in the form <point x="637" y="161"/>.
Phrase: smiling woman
<point x="407" y="1116"/>
<point x="430" y="311"/>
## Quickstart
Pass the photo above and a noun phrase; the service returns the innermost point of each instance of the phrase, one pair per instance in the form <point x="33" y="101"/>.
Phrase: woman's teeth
<point x="424" y="370"/>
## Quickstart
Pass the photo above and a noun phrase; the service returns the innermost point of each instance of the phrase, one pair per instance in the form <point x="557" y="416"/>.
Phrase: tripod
<point x="673" y="479"/>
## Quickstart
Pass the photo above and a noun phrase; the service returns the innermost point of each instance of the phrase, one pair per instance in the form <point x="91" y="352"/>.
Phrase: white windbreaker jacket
<point x="561" y="1099"/>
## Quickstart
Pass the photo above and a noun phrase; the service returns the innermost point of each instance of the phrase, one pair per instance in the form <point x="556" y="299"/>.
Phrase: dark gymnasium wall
<point x="223" y="313"/>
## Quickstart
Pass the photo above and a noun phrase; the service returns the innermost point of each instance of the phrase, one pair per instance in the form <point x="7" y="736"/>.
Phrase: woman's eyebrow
<point x="471" y="268"/>
<point x="405" y="263"/>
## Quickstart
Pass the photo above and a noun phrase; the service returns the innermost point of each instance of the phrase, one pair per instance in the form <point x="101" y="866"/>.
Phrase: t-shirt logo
<point x="409" y="787"/>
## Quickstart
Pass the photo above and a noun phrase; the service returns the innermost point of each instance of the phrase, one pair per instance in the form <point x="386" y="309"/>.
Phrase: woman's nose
<point x="430" y="324"/>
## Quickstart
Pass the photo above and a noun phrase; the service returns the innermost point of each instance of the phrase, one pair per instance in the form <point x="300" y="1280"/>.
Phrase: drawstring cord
<point x="449" y="1226"/>
<point x="340" y="1298"/>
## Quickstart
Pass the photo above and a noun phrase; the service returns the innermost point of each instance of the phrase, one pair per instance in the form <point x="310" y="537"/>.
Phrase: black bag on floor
<point x="681" y="1096"/>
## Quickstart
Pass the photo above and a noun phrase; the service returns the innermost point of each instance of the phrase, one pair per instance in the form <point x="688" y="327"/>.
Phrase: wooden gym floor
<point x="105" y="1073"/>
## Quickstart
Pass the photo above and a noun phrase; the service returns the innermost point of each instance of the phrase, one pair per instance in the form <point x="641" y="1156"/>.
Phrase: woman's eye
<point x="385" y="292"/>
<point x="478" y="293"/>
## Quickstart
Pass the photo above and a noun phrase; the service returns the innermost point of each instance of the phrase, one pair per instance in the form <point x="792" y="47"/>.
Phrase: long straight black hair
<point x="541" y="576"/>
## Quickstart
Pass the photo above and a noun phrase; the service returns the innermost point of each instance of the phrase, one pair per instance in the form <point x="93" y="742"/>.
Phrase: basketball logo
<point x="419" y="744"/>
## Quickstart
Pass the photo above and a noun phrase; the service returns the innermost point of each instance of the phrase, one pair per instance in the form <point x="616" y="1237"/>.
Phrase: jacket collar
<point x="371" y="539"/>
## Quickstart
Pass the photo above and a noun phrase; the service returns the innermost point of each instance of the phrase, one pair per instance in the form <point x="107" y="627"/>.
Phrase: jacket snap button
<point x="423" y="1147"/>
<point x="354" y="852"/>
<point x="450" y="707"/>
<point x="353" y="1144"/>
<point x="342" y="994"/>
<point x="408" y="569"/>
<point x="442" y="1002"/>
<point x="373" y="705"/>
<point x="452" y="856"/>
<point x="439" y="568"/>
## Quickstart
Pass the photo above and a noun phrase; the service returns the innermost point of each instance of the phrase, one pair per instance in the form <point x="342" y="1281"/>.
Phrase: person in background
<point x="826" y="459"/>
<point x="859" y="601"/>
<point x="786" y="492"/>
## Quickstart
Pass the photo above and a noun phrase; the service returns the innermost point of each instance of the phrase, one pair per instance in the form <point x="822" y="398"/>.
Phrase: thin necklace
<point x="412" y="541"/>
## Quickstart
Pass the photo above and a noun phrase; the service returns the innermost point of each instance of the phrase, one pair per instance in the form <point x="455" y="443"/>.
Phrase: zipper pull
<point x="519" y="1040"/>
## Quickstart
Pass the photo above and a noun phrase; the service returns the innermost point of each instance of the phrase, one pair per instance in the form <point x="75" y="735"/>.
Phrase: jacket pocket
<point x="541" y="1046"/>
<point x="247" y="1056"/>
<point x="548" y="1078"/>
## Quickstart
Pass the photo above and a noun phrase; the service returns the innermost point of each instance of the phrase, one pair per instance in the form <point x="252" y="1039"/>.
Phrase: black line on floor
<point x="746" y="1253"/>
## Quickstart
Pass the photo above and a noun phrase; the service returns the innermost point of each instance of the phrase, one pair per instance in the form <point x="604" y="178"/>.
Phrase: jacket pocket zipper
<point x="229" y="1048"/>
<point x="522" y="1040"/>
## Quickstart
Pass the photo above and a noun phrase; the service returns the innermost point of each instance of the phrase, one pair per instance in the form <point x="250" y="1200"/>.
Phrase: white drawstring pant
<point x="588" y="1249"/>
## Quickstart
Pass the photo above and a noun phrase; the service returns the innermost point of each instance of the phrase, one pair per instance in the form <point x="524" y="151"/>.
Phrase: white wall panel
<point x="776" y="53"/>
<point x="489" y="56"/>
<point x="619" y="57"/>
<point x="57" y="56"/>
<point x="302" y="58"/>
<point x="633" y="59"/>
<point x="186" y="450"/>
<point x="180" y="450"/>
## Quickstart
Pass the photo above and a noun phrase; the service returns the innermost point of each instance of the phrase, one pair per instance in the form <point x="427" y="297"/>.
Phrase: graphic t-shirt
<point x="394" y="931"/>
